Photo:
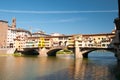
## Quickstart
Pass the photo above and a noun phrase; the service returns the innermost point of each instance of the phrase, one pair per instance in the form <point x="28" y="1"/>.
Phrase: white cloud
<point x="54" y="21"/>
<point x="57" y="12"/>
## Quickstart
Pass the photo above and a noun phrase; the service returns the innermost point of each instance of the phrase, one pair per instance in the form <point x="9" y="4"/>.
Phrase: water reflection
<point x="79" y="69"/>
<point x="89" y="70"/>
<point x="53" y="68"/>
<point x="117" y="71"/>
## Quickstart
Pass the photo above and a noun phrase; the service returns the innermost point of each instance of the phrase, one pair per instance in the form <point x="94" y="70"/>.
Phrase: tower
<point x="14" y="23"/>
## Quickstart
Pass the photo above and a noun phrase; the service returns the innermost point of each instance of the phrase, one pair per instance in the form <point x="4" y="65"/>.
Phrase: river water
<point x="99" y="66"/>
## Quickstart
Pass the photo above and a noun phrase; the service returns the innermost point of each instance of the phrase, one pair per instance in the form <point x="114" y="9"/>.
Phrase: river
<point x="99" y="66"/>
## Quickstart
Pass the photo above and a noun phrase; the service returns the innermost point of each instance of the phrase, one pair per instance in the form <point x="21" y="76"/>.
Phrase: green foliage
<point x="17" y="54"/>
<point x="65" y="51"/>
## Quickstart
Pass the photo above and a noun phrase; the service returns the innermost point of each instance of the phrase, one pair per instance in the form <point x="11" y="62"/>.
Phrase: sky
<point x="61" y="16"/>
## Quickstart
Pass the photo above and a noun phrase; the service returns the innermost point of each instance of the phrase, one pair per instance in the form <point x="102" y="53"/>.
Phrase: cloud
<point x="54" y="21"/>
<point x="67" y="20"/>
<point x="57" y="12"/>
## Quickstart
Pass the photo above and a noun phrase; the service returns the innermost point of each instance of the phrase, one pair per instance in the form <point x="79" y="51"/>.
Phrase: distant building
<point x="12" y="37"/>
<point x="21" y="37"/>
<point x="57" y="34"/>
<point x="114" y="31"/>
<point x="39" y="34"/>
<point x="13" y="23"/>
<point x="3" y="33"/>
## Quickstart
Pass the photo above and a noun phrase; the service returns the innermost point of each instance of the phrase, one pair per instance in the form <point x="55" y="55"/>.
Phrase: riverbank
<point x="1" y="55"/>
<point x="14" y="54"/>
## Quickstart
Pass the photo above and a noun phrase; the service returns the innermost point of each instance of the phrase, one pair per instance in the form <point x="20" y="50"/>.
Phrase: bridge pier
<point x="78" y="53"/>
<point x="43" y="51"/>
<point x="85" y="55"/>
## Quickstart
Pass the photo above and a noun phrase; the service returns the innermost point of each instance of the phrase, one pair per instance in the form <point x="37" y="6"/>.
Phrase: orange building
<point x="3" y="33"/>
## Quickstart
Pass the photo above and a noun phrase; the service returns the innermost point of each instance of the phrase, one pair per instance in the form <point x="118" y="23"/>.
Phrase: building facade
<point x="3" y="33"/>
<point x="95" y="40"/>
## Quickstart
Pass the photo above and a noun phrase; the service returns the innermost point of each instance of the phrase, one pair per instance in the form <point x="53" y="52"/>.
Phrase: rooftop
<point x="3" y="21"/>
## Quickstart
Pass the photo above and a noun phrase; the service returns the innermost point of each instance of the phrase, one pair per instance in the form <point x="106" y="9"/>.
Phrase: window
<point x="103" y="45"/>
<point x="65" y="38"/>
<point x="80" y="45"/>
<point x="77" y="37"/>
<point x="90" y="41"/>
<point x="60" y="38"/>
<point x="80" y="41"/>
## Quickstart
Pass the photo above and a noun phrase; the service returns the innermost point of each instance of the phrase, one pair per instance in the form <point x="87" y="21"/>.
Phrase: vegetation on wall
<point x="65" y="51"/>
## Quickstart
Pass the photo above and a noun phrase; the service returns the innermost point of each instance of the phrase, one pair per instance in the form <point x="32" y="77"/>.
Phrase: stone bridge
<point x="42" y="51"/>
<point x="79" y="52"/>
<point x="81" y="45"/>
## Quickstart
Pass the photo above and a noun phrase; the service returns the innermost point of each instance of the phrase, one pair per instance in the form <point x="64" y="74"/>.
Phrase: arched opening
<point x="53" y="52"/>
<point x="60" y="43"/>
<point x="31" y="52"/>
<point x="65" y="43"/>
<point x="11" y="45"/>
<point x="101" y="54"/>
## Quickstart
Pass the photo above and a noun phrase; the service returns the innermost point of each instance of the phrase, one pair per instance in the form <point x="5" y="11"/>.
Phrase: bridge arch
<point x="53" y="52"/>
<point x="86" y="52"/>
<point x="30" y="51"/>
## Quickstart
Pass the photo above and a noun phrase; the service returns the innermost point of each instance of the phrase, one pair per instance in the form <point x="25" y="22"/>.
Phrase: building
<point x="16" y="37"/>
<point x="39" y="34"/>
<point x="3" y="33"/>
<point x="21" y="38"/>
<point x="37" y="39"/>
<point x="95" y="40"/>
<point x="12" y="37"/>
